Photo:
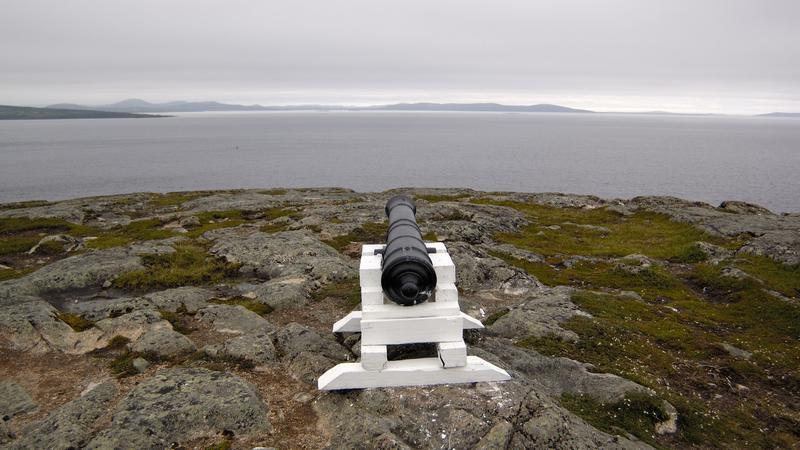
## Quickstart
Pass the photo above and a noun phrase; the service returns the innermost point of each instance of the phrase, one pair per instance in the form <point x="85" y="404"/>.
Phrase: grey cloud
<point x="361" y="51"/>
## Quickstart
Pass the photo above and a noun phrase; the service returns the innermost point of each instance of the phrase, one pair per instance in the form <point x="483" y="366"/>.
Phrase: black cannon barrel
<point x="407" y="274"/>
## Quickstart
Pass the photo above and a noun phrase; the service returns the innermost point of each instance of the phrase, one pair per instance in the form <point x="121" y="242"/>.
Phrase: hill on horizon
<point x="8" y="112"/>
<point x="136" y="105"/>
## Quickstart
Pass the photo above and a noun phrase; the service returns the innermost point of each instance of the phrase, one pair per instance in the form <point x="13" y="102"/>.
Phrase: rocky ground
<point x="202" y="320"/>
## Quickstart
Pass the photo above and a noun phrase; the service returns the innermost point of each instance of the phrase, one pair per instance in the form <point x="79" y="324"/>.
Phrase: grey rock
<point x="774" y="236"/>
<point x="14" y="399"/>
<point x="478" y="271"/>
<point x="240" y="200"/>
<point x="234" y="319"/>
<point x="140" y="364"/>
<point x="33" y="326"/>
<point x="540" y="315"/>
<point x="76" y="272"/>
<point x="71" y="425"/>
<point x="65" y="241"/>
<point x="105" y="308"/>
<point x="736" y="352"/>
<point x="557" y="376"/>
<point x="289" y="254"/>
<point x="255" y="350"/>
<point x="714" y="253"/>
<point x="179" y="405"/>
<point x="164" y="343"/>
<point x="513" y="251"/>
<point x="455" y="417"/>
<point x="295" y="339"/>
<point x="307" y="367"/>
<point x="5" y="435"/>
<point x="188" y="298"/>
<point x="744" y="208"/>
<point x="497" y="437"/>
<point x="287" y="292"/>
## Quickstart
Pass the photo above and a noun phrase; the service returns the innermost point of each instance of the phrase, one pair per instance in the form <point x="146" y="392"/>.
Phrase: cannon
<point x="394" y="276"/>
<point x="407" y="274"/>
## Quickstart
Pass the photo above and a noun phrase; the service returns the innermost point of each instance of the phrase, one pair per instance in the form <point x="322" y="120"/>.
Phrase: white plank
<point x="410" y="372"/>
<point x="408" y="331"/>
<point x="393" y="311"/>
<point x="350" y="323"/>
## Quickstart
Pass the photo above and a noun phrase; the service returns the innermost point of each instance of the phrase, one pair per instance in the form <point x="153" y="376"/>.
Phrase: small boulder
<point x="252" y="350"/>
<point x="234" y="319"/>
<point x="295" y="339"/>
<point x="14" y="399"/>
<point x="180" y="405"/>
<point x="71" y="425"/>
<point x="140" y="364"/>
<point x="163" y="343"/>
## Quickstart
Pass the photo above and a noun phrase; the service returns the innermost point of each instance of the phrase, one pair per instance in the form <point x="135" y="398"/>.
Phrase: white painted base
<point x="383" y="323"/>
<point x="351" y="323"/>
<point x="409" y="372"/>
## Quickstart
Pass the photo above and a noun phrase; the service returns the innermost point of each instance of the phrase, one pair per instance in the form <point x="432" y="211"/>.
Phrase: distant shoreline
<point x="29" y="113"/>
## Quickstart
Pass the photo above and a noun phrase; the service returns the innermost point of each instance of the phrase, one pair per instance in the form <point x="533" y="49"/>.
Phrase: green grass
<point x="78" y="323"/>
<point x="171" y="199"/>
<point x="189" y="265"/>
<point x="224" y="444"/>
<point x="647" y="233"/>
<point x="433" y="198"/>
<point x="274" y="192"/>
<point x="651" y="283"/>
<point x="122" y="365"/>
<point x="492" y="318"/>
<point x="10" y="274"/>
<point x="348" y="291"/>
<point x="690" y="254"/>
<point x="369" y="232"/>
<point x="138" y="230"/>
<point x="20" y="234"/>
<point x="776" y="276"/>
<point x="259" y="308"/>
<point x="656" y="346"/>
<point x="25" y="204"/>
<point x="174" y="318"/>
<point x="636" y="413"/>
<point x="212" y="220"/>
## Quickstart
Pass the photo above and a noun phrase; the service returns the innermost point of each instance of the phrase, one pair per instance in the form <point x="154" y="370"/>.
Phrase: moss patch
<point x="559" y="231"/>
<point x="776" y="276"/>
<point x="369" y="232"/>
<point x="348" y="291"/>
<point x="78" y="323"/>
<point x="189" y="265"/>
<point x="259" y="308"/>
<point x="635" y="413"/>
<point x="138" y="230"/>
<point x="433" y="198"/>
<point x="25" y="204"/>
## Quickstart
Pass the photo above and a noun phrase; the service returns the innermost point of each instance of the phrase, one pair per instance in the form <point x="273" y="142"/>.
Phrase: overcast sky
<point x="727" y="56"/>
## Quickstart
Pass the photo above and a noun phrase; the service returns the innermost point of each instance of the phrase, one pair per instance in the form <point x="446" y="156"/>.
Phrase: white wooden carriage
<point x="382" y="323"/>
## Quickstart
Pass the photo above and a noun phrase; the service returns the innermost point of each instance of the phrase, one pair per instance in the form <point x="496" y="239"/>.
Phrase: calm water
<point x="701" y="158"/>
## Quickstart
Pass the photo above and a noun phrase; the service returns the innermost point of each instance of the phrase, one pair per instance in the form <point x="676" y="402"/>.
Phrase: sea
<point x="704" y="158"/>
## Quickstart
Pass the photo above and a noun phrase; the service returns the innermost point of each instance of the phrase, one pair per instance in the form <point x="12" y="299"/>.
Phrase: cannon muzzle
<point x="407" y="274"/>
